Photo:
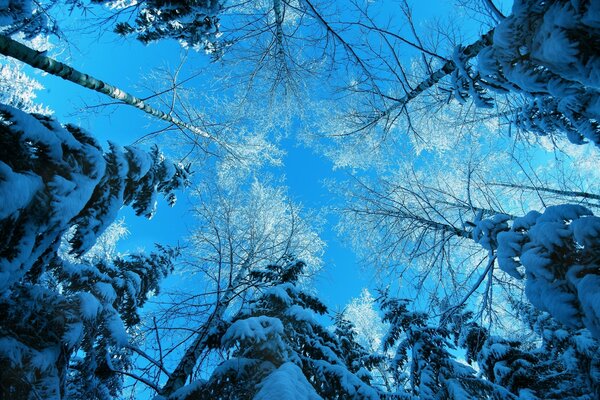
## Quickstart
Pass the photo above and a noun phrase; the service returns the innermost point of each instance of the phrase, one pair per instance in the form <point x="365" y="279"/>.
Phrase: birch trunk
<point x="566" y="193"/>
<point x="39" y="60"/>
<point x="185" y="367"/>
<point x="470" y="51"/>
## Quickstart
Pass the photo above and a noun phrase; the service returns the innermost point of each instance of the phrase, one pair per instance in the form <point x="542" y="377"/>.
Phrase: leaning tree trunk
<point x="187" y="363"/>
<point x="449" y="66"/>
<point x="565" y="193"/>
<point x="39" y="60"/>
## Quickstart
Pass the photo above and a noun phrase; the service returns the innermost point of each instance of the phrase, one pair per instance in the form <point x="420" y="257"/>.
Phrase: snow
<point x="89" y="305"/>
<point x="68" y="190"/>
<point x="349" y="382"/>
<point x="117" y="330"/>
<point x="564" y="212"/>
<point x="537" y="264"/>
<point x="240" y="365"/>
<point x="73" y="334"/>
<point x="105" y="291"/>
<point x="286" y="382"/>
<point x="280" y="292"/>
<point x="19" y="90"/>
<point x="134" y="281"/>
<point x="140" y="159"/>
<point x="584" y="343"/>
<point x="527" y="246"/>
<point x="63" y="204"/>
<point x="486" y="231"/>
<point x="13" y="12"/>
<point x="300" y="313"/>
<point x="527" y="394"/>
<point x="540" y="54"/>
<point x="586" y="231"/>
<point x="554" y="297"/>
<point x="541" y="244"/>
<point x="588" y="290"/>
<point x="556" y="46"/>
<point x="16" y="189"/>
<point x="46" y="358"/>
<point x="527" y="221"/>
<point x="32" y="129"/>
<point x="12" y="350"/>
<point x="21" y="355"/>
<point x="257" y="329"/>
<point x="184" y="392"/>
<point x="510" y="245"/>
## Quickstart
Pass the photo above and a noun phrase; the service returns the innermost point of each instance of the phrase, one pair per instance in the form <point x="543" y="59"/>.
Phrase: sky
<point x="304" y="171"/>
<point x="124" y="62"/>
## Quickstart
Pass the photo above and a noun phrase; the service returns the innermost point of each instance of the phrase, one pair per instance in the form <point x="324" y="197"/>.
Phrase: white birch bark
<point x="39" y="60"/>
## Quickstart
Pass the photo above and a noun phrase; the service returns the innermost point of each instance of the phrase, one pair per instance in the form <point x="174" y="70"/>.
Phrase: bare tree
<point x="12" y="48"/>
<point x="433" y="220"/>
<point x="240" y="229"/>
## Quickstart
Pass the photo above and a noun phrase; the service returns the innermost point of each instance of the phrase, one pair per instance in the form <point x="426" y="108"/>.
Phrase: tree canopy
<point x="438" y="166"/>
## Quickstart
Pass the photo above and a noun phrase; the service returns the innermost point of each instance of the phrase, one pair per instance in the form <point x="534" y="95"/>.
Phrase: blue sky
<point x="124" y="63"/>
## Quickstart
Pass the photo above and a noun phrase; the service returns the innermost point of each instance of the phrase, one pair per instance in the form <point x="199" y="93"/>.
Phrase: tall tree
<point x="12" y="48"/>
<point x="52" y="308"/>
<point x="241" y="229"/>
<point x="194" y="23"/>
<point x="279" y="350"/>
<point x="19" y="90"/>
<point x="541" y="94"/>
<point x="433" y="373"/>
<point x="27" y="17"/>
<point x="557" y="251"/>
<point x="438" y="219"/>
<point x="552" y="63"/>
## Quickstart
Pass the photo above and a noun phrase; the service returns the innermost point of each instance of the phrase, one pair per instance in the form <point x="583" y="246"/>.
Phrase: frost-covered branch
<point x="12" y="48"/>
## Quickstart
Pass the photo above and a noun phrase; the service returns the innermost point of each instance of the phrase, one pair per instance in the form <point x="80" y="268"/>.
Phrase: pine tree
<point x="194" y="23"/>
<point x="556" y="363"/>
<point x="464" y="331"/>
<point x="571" y="356"/>
<point x="424" y="351"/>
<point x="558" y="254"/>
<point x="54" y="177"/>
<point x="25" y="16"/>
<point x="279" y="350"/>
<point x="547" y="51"/>
<point x="356" y="357"/>
<point x="67" y="335"/>
<point x="504" y="363"/>
<point x="19" y="90"/>
<point x="56" y="180"/>
<point x="239" y="228"/>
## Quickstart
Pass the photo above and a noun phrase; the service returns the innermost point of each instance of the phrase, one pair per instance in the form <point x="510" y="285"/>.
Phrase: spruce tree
<point x="358" y="360"/>
<point x="194" y="23"/>
<point x="557" y="252"/>
<point x="279" y="350"/>
<point x="68" y="334"/>
<point x="64" y="323"/>
<point x="547" y="52"/>
<point x="424" y="351"/>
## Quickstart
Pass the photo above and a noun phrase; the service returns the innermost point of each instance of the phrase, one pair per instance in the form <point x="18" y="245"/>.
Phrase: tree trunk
<point x="193" y="352"/>
<point x="470" y="51"/>
<point x="566" y="193"/>
<point x="39" y="60"/>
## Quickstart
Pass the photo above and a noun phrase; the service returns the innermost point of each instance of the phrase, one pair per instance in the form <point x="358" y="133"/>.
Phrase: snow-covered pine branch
<point x="55" y="177"/>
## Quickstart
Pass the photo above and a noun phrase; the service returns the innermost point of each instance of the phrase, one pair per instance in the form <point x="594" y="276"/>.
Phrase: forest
<point x="299" y="199"/>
